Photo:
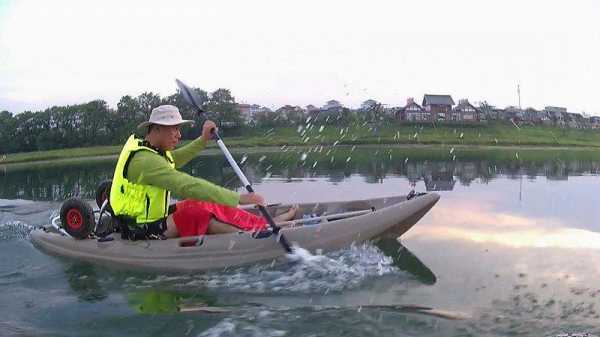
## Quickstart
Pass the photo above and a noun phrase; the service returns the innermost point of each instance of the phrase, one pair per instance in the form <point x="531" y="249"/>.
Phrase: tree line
<point x="95" y="123"/>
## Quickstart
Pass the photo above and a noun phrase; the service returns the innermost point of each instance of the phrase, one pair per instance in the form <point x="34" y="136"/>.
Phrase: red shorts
<point x="192" y="217"/>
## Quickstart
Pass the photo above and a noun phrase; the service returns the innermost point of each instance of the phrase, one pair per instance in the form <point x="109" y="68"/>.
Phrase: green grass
<point x="493" y="135"/>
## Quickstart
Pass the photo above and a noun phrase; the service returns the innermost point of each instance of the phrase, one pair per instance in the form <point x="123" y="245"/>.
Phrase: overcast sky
<point x="303" y="52"/>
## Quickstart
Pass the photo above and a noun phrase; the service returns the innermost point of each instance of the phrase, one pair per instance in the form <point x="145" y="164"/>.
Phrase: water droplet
<point x="451" y="150"/>
<point x="300" y="127"/>
<point x="348" y="159"/>
<point x="262" y="158"/>
<point x="321" y="128"/>
<point x="353" y="148"/>
<point x="461" y="135"/>
<point x="416" y="134"/>
<point x="244" y="158"/>
<point x="303" y="156"/>
<point x="517" y="155"/>
<point x="335" y="143"/>
<point x="231" y="244"/>
<point x="308" y="119"/>
<point x="306" y="139"/>
<point x="315" y="164"/>
<point x="406" y="160"/>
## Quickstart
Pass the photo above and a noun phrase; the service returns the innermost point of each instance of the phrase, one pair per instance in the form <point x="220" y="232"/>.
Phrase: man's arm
<point x="188" y="152"/>
<point x="151" y="169"/>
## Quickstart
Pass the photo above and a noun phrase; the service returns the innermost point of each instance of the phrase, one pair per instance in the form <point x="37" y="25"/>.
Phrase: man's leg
<point x="171" y="231"/>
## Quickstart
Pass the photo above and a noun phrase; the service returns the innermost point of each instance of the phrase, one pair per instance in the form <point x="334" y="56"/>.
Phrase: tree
<point x="147" y="101"/>
<point x="7" y="129"/>
<point x="223" y="109"/>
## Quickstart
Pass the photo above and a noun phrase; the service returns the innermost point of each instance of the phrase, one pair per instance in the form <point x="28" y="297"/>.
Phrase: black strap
<point x="148" y="231"/>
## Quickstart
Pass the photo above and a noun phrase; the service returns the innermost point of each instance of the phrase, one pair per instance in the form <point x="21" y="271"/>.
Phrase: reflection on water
<point x="512" y="243"/>
<point x="405" y="260"/>
<point x="436" y="169"/>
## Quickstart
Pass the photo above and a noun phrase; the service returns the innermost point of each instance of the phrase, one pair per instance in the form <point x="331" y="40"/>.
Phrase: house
<point x="311" y="109"/>
<point x="439" y="106"/>
<point x="595" y="122"/>
<point x="465" y="112"/>
<point x="244" y="110"/>
<point x="576" y="120"/>
<point x="289" y="110"/>
<point x="543" y="117"/>
<point x="249" y="111"/>
<point x="413" y="112"/>
<point x="332" y="105"/>
<point x="530" y="115"/>
<point x="368" y="105"/>
<point x="556" y="115"/>
<point x="497" y="113"/>
<point x="513" y="113"/>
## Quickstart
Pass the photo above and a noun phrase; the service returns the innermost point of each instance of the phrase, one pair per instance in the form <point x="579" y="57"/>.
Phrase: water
<point x="511" y="249"/>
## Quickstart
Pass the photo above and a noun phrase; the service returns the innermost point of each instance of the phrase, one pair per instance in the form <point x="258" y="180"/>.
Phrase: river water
<point x="511" y="249"/>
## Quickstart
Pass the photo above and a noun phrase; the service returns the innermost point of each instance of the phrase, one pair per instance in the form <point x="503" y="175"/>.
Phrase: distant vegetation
<point x="96" y="129"/>
<point x="357" y="133"/>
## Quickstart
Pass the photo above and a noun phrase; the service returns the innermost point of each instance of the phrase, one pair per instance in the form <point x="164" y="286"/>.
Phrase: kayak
<point x="318" y="228"/>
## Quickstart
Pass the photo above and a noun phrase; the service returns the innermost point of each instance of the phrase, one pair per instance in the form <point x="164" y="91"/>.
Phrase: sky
<point x="302" y="52"/>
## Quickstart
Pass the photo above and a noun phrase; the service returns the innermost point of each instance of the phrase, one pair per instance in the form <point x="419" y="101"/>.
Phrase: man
<point x="146" y="174"/>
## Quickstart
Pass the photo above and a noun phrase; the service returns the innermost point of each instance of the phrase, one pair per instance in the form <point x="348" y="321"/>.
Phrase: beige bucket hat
<point x="165" y="115"/>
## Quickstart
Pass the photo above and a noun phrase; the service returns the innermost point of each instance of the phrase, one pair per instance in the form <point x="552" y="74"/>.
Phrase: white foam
<point x="312" y="274"/>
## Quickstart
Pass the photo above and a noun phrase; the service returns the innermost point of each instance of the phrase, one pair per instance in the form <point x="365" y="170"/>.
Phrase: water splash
<point x="311" y="274"/>
<point x="14" y="230"/>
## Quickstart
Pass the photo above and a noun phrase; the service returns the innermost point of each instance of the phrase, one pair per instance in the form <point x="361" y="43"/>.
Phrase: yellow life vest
<point x="144" y="203"/>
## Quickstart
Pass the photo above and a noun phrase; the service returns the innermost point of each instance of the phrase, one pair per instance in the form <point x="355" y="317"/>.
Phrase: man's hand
<point x="207" y="130"/>
<point x="252" y="199"/>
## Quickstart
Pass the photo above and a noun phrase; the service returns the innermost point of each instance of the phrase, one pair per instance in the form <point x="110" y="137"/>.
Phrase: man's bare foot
<point x="288" y="215"/>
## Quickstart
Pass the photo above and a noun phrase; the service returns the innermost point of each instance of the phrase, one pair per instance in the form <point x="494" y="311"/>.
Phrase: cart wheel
<point x="103" y="193"/>
<point x="77" y="218"/>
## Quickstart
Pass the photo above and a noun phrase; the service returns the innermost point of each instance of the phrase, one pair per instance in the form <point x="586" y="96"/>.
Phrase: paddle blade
<point x="190" y="95"/>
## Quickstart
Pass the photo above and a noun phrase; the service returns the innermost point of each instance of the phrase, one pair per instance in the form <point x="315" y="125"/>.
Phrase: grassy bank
<point x="496" y="135"/>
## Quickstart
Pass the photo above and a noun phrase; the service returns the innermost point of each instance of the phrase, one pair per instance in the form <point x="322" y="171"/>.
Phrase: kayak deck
<point x="388" y="217"/>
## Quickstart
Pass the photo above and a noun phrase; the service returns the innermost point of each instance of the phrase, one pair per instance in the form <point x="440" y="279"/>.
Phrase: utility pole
<point x="519" y="94"/>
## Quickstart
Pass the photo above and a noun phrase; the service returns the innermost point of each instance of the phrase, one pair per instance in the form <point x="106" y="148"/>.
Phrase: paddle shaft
<point x="238" y="171"/>
<point x="337" y="216"/>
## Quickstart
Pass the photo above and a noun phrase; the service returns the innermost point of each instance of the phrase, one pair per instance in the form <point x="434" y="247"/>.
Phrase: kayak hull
<point x="391" y="217"/>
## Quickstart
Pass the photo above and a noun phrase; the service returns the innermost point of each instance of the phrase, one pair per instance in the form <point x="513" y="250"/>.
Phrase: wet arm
<point x="151" y="169"/>
<point x="188" y="152"/>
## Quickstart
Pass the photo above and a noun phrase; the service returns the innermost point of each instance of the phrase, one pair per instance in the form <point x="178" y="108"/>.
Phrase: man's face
<point x="169" y="136"/>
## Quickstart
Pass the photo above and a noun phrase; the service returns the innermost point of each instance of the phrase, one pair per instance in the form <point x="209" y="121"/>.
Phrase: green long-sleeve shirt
<point x="151" y="169"/>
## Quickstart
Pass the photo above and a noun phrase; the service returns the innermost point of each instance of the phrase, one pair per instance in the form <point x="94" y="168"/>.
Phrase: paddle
<point x="193" y="99"/>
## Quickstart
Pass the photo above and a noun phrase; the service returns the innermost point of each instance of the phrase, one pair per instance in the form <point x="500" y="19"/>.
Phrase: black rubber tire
<point x="102" y="193"/>
<point x="77" y="218"/>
